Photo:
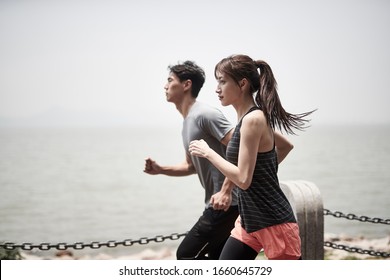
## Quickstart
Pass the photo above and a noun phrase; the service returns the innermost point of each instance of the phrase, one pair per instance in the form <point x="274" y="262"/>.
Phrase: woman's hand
<point x="199" y="148"/>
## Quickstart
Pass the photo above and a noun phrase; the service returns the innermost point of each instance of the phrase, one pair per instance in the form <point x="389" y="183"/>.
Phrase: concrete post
<point x="306" y="201"/>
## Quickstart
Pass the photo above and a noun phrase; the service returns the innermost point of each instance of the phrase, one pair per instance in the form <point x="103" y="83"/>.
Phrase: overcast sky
<point x="108" y="59"/>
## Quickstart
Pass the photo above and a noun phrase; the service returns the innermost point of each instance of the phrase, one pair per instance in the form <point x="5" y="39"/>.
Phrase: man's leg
<point x="195" y="242"/>
<point x="207" y="237"/>
<point x="223" y="223"/>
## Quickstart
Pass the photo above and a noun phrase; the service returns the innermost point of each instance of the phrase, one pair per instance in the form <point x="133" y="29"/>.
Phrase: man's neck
<point x="185" y="106"/>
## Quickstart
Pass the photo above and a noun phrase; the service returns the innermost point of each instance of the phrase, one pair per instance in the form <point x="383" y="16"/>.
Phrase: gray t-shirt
<point x="207" y="123"/>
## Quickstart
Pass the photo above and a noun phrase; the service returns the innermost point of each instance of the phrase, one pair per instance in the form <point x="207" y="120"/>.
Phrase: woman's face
<point x="227" y="89"/>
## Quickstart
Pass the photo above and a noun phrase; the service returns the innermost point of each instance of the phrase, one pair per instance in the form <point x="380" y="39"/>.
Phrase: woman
<point x="266" y="218"/>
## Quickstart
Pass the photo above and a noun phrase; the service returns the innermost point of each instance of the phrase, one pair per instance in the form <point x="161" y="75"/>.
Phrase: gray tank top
<point x="208" y="123"/>
<point x="263" y="204"/>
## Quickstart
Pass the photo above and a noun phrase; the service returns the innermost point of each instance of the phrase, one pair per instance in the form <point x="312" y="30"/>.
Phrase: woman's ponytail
<point x="267" y="99"/>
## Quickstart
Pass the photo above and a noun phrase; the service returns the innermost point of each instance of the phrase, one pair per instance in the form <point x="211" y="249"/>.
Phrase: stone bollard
<point x="306" y="201"/>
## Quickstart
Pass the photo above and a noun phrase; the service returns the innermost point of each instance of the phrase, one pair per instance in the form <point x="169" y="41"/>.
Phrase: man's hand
<point x="151" y="167"/>
<point x="221" y="200"/>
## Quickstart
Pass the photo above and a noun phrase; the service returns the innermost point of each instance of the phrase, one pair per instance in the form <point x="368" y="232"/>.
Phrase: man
<point x="207" y="237"/>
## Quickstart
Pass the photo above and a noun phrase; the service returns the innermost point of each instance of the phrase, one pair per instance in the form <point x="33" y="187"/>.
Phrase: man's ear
<point x="187" y="84"/>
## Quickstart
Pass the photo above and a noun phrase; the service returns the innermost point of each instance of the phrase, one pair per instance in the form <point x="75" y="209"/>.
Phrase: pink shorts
<point x="280" y="242"/>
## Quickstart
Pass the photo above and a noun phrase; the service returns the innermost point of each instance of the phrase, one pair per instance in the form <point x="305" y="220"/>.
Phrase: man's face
<point x="174" y="89"/>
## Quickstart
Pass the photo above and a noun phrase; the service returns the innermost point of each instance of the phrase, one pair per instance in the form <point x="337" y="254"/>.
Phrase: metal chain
<point x="92" y="245"/>
<point x="338" y="214"/>
<point x="356" y="250"/>
<point x="175" y="236"/>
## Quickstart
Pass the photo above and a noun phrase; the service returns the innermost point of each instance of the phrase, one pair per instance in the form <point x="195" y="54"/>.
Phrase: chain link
<point x="338" y="214"/>
<point x="92" y="245"/>
<point x="356" y="250"/>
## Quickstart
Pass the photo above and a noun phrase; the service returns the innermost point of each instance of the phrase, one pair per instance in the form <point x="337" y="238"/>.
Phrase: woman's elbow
<point x="285" y="149"/>
<point x="245" y="184"/>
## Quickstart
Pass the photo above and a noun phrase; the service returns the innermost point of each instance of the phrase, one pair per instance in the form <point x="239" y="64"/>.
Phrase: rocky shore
<point x="376" y="245"/>
<point x="165" y="253"/>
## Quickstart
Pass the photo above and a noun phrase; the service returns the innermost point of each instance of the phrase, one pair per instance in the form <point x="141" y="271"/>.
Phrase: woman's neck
<point x="243" y="107"/>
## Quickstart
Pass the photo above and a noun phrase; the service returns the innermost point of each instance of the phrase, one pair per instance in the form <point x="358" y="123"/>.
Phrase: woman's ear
<point x="243" y="83"/>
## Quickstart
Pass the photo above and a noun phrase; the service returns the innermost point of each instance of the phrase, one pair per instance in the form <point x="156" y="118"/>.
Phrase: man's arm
<point x="183" y="169"/>
<point x="222" y="199"/>
<point x="225" y="140"/>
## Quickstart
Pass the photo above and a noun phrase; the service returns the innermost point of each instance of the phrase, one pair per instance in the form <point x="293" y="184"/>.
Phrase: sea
<point x="86" y="184"/>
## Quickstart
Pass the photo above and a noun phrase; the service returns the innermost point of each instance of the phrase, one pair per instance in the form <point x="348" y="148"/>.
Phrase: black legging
<point x="236" y="250"/>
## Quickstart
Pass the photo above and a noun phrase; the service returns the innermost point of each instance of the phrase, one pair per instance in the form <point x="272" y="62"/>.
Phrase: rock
<point x="375" y="245"/>
<point x="64" y="255"/>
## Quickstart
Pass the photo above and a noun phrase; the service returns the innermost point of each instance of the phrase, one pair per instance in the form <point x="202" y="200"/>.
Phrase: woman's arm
<point x="241" y="175"/>
<point x="283" y="146"/>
